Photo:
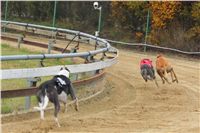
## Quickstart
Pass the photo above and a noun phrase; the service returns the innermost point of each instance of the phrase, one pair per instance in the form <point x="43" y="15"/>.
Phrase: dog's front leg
<point x="161" y="74"/>
<point x="166" y="80"/>
<point x="65" y="107"/>
<point x="76" y="104"/>
<point x="63" y="98"/>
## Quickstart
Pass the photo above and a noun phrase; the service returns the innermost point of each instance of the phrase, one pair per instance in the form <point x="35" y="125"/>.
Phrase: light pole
<point x="96" y="7"/>
<point x="54" y="14"/>
<point x="5" y="18"/>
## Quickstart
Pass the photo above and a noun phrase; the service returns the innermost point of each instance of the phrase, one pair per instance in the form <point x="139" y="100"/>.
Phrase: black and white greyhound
<point x="56" y="91"/>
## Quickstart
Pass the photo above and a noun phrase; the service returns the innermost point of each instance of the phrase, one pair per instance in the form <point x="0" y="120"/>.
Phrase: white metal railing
<point x="47" y="71"/>
<point x="69" y="55"/>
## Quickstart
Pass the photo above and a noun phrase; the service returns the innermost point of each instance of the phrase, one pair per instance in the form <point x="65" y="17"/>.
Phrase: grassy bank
<point x="8" y="50"/>
<point x="17" y="104"/>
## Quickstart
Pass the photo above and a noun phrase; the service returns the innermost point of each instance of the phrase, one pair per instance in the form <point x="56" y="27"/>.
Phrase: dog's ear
<point x="61" y="68"/>
<point x="159" y="55"/>
<point x="67" y="69"/>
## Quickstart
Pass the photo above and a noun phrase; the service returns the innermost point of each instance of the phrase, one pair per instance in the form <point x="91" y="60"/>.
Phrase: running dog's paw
<point x="76" y="108"/>
<point x="175" y="80"/>
<point x="76" y="105"/>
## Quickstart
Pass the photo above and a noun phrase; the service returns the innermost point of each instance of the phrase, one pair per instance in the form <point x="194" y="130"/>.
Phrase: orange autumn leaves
<point x="163" y="12"/>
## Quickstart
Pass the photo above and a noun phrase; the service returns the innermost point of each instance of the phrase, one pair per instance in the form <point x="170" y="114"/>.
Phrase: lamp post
<point x="54" y="14"/>
<point x="96" y="7"/>
<point x="5" y="18"/>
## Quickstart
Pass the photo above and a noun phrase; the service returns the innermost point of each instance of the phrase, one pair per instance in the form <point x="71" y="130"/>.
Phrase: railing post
<point x="50" y="45"/>
<point x="54" y="13"/>
<point x="31" y="83"/>
<point x="5" y="17"/>
<point x="74" y="77"/>
<point x="20" y="40"/>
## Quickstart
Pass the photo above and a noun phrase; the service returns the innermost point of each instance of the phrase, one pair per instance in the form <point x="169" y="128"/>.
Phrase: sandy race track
<point x="128" y="104"/>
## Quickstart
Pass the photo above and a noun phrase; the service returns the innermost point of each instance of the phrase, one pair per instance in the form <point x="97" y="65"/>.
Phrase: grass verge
<point x="9" y="105"/>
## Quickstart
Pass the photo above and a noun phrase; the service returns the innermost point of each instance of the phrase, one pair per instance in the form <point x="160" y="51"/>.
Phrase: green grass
<point x="60" y="24"/>
<point x="8" y="50"/>
<point x="9" y="105"/>
<point x="15" y="104"/>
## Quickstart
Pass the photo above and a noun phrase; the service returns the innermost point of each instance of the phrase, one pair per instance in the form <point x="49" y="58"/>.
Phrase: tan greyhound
<point x="162" y="66"/>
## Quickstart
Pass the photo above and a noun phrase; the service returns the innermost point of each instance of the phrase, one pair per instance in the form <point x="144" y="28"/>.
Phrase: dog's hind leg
<point x="46" y="100"/>
<point x="43" y="102"/>
<point x="42" y="106"/>
<point x="172" y="76"/>
<point x="169" y="69"/>
<point x="164" y="74"/>
<point x="57" y="109"/>
<point x="41" y="111"/>
<point x="176" y="79"/>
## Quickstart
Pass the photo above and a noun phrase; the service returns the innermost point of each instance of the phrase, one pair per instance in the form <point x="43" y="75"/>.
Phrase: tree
<point x="163" y="12"/>
<point x="129" y="15"/>
<point x="196" y="12"/>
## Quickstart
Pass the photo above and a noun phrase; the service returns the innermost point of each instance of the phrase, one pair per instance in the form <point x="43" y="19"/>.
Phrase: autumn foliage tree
<point x="130" y="16"/>
<point x="163" y="12"/>
<point x="172" y="23"/>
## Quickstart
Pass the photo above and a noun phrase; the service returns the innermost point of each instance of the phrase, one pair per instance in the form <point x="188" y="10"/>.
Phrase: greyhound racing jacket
<point x="147" y="62"/>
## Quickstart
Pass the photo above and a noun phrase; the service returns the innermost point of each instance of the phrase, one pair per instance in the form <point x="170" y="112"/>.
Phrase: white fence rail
<point x="48" y="71"/>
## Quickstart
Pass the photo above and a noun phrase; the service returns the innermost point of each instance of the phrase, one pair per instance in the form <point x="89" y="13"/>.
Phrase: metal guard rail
<point x="48" y="71"/>
<point x="48" y="56"/>
<point x="154" y="46"/>
<point x="32" y="90"/>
